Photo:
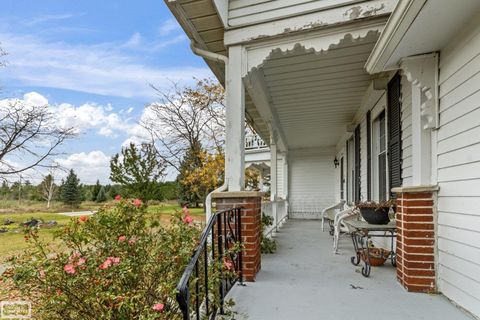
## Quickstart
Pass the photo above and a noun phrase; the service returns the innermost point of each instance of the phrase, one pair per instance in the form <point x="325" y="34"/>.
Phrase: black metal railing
<point x="214" y="268"/>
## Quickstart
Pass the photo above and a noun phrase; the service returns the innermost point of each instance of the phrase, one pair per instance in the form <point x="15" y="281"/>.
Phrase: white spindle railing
<point x="253" y="141"/>
<point x="278" y="210"/>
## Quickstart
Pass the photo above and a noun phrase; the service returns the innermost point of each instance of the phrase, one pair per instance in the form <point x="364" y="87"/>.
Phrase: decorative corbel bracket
<point x="422" y="71"/>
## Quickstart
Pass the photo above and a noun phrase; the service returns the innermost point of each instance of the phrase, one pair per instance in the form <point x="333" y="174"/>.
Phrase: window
<point x="380" y="158"/>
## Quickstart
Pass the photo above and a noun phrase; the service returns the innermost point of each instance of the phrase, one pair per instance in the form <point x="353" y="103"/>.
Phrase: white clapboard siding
<point x="363" y="160"/>
<point x="406" y="95"/>
<point x="458" y="163"/>
<point x="311" y="179"/>
<point x="244" y="12"/>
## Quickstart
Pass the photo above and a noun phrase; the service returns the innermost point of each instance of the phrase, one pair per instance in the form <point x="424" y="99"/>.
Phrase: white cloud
<point x="47" y="18"/>
<point x="84" y="117"/>
<point x="35" y="99"/>
<point x="88" y="166"/>
<point x="168" y="26"/>
<point x="100" y="69"/>
<point x="134" y="41"/>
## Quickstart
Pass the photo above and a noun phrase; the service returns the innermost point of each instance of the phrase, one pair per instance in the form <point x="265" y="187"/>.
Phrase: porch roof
<point x="406" y="33"/>
<point x="305" y="280"/>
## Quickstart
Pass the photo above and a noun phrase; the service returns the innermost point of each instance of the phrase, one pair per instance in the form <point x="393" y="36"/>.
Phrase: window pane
<point x="382" y="136"/>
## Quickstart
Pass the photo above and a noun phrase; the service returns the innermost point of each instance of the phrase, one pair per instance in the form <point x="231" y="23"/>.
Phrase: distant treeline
<point x="25" y="190"/>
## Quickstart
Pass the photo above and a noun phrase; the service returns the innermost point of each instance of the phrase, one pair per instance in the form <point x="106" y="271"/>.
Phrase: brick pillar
<point x="250" y="201"/>
<point x="416" y="238"/>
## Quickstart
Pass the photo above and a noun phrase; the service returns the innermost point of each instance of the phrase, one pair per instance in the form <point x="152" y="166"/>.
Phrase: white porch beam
<point x="255" y="85"/>
<point x="310" y="21"/>
<point x="235" y="115"/>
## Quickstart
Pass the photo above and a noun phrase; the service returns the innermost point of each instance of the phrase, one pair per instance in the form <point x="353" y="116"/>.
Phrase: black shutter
<point x="357" y="164"/>
<point x="369" y="156"/>
<point x="394" y="134"/>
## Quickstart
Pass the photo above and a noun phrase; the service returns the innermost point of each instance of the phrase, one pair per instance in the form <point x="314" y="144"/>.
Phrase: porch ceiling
<point x="315" y="94"/>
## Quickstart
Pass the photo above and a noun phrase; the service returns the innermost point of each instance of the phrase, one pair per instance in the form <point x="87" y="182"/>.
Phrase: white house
<point x="390" y="89"/>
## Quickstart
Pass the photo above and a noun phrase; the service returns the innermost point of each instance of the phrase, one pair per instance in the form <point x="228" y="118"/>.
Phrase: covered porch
<point x="305" y="280"/>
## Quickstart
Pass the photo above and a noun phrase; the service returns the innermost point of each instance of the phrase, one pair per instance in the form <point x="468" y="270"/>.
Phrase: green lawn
<point x="13" y="241"/>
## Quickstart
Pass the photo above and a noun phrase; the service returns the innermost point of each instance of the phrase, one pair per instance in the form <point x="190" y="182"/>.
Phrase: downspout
<point x="223" y="59"/>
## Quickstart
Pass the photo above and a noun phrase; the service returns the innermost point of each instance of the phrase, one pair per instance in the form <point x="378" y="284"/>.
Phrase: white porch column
<point x="273" y="170"/>
<point x="285" y="176"/>
<point x="235" y="116"/>
<point x="421" y="144"/>
<point x="422" y="72"/>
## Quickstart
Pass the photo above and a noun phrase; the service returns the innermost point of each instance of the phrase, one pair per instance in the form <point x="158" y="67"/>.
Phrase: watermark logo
<point x="15" y="310"/>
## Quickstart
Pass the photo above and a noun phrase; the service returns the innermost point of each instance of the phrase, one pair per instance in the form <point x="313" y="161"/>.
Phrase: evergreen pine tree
<point x="4" y="190"/>
<point x="101" y="196"/>
<point x="71" y="190"/>
<point x="95" y="191"/>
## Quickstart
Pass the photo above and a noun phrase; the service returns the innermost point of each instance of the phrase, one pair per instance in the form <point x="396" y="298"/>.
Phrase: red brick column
<point x="251" y="230"/>
<point x="416" y="239"/>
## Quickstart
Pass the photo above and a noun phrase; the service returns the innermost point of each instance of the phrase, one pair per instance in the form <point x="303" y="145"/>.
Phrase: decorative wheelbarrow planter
<point x="376" y="256"/>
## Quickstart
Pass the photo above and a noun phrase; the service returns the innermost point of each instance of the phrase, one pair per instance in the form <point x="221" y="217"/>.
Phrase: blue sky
<point x="93" y="61"/>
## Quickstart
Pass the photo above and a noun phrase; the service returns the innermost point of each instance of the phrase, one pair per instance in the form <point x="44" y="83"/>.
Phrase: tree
<point x="4" y="190"/>
<point x="95" y="191"/>
<point x="101" y="195"/>
<point x="196" y="182"/>
<point x="186" y="120"/>
<point x="71" y="190"/>
<point x="48" y="189"/>
<point x="138" y="170"/>
<point x="30" y="133"/>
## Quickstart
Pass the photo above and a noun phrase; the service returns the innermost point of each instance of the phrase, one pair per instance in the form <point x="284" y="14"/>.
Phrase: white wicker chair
<point x="339" y="228"/>
<point x="329" y="215"/>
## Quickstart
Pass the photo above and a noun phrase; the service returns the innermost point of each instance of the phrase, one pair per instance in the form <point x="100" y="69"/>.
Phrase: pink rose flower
<point x="114" y="260"/>
<point x="122" y="238"/>
<point x="118" y="197"/>
<point x="188" y="220"/>
<point x="132" y="241"/>
<point x="137" y="203"/>
<point x="158" y="307"/>
<point x="185" y="210"/>
<point x="81" y="261"/>
<point x="83" y="219"/>
<point x="69" y="268"/>
<point x="106" y="264"/>
<point x="228" y="265"/>
<point x="42" y="274"/>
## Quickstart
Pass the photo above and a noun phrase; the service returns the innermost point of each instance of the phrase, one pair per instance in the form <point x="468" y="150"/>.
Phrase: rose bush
<point x="117" y="264"/>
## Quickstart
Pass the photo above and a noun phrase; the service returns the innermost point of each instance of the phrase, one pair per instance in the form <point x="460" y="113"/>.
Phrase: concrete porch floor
<point x="305" y="280"/>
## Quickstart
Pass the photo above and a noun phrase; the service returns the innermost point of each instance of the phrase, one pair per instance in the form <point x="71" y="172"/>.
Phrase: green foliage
<point x="139" y="171"/>
<point x="101" y="196"/>
<point x="268" y="245"/>
<point x="117" y="264"/>
<point x="95" y="190"/>
<point x="168" y="190"/>
<point x="71" y="193"/>
<point x="190" y="162"/>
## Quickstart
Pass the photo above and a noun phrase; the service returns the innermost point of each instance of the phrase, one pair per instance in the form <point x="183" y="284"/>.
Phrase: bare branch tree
<point x="29" y="133"/>
<point x="48" y="188"/>
<point x="186" y="119"/>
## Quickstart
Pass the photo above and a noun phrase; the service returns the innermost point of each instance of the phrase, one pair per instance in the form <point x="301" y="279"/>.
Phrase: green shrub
<point x="116" y="264"/>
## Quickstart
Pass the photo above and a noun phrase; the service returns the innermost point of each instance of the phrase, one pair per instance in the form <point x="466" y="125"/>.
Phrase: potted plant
<point x="375" y="212"/>
<point x="376" y="256"/>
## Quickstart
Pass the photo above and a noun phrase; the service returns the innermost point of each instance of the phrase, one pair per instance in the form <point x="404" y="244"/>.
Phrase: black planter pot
<point x="375" y="215"/>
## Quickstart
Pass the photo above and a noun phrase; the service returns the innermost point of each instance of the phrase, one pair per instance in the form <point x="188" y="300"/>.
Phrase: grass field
<point x="13" y="242"/>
